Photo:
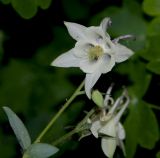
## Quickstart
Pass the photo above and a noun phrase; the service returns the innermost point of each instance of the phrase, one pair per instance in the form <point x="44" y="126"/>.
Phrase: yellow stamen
<point x="95" y="52"/>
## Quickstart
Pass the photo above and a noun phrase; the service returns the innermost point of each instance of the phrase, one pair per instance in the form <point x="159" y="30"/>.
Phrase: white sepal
<point x="122" y="53"/>
<point x="90" y="81"/>
<point x="120" y="131"/>
<point x="95" y="128"/>
<point x="77" y="31"/>
<point x="109" y="129"/>
<point x="67" y="59"/>
<point x="108" y="146"/>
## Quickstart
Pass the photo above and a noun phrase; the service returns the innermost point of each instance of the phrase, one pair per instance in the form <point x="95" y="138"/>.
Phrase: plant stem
<point x="49" y="125"/>
<point x="154" y="107"/>
<point x="78" y="128"/>
<point x="85" y="118"/>
<point x="64" y="137"/>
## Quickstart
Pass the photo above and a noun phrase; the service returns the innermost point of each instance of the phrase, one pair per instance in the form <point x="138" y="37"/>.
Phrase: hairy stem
<point x="78" y="128"/>
<point x="52" y="121"/>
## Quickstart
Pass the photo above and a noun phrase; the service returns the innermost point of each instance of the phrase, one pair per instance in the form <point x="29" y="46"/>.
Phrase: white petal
<point x="108" y="100"/>
<point x="95" y="35"/>
<point x="108" y="63"/>
<point x="121" y="111"/>
<point x="121" y="132"/>
<point x="67" y="59"/>
<point x="77" y="31"/>
<point x="90" y="81"/>
<point x="114" y="107"/>
<point x="91" y="67"/>
<point x="108" y="146"/>
<point x="82" y="48"/>
<point x="109" y="129"/>
<point x="105" y="23"/>
<point x="95" y="127"/>
<point x="121" y="145"/>
<point x="98" y="34"/>
<point x="122" y="53"/>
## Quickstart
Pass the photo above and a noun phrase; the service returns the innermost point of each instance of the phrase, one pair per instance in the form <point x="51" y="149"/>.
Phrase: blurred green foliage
<point x="158" y="155"/>
<point x="28" y="8"/>
<point x="36" y="91"/>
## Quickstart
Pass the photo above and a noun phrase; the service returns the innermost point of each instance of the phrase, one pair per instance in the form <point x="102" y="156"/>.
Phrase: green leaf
<point x="17" y="78"/>
<point x="148" y="130"/>
<point x="5" y="1"/>
<point x="74" y="9"/>
<point x="97" y="98"/>
<point x="18" y="128"/>
<point x="131" y="127"/>
<point x="158" y="155"/>
<point x="141" y="128"/>
<point x="151" y="7"/>
<point x="154" y="66"/>
<point x="44" y="4"/>
<point x="40" y="150"/>
<point x="154" y="27"/>
<point x="26" y="8"/>
<point x="135" y="123"/>
<point x="140" y="78"/>
<point x="152" y="48"/>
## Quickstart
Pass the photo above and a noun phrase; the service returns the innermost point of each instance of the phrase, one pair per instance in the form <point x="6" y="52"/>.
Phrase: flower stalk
<point x="77" y="129"/>
<point x="64" y="107"/>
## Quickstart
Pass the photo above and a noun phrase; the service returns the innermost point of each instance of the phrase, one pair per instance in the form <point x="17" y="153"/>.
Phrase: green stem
<point x="49" y="125"/>
<point x="78" y="128"/>
<point x="154" y="107"/>
<point x="85" y="118"/>
<point x="66" y="136"/>
<point x="81" y="92"/>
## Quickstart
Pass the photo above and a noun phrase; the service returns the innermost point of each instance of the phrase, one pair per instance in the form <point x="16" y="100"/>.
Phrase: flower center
<point x="95" y="52"/>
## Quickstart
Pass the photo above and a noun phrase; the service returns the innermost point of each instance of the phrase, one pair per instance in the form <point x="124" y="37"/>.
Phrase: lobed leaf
<point x="18" y="80"/>
<point x="152" y="48"/>
<point x="154" y="27"/>
<point x="141" y="128"/>
<point x="26" y="8"/>
<point x="151" y="7"/>
<point x="158" y="155"/>
<point x="140" y="79"/>
<point x="5" y="1"/>
<point x="154" y="66"/>
<point x="148" y="133"/>
<point x="44" y="4"/>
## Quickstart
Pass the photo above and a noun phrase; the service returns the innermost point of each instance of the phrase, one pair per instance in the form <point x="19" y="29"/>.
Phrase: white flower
<point x="110" y="128"/>
<point x="94" y="52"/>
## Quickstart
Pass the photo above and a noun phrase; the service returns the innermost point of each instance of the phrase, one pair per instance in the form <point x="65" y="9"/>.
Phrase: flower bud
<point x="97" y="98"/>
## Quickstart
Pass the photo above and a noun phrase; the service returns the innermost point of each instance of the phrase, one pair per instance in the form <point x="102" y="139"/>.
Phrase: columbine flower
<point x="108" y="126"/>
<point x="94" y="52"/>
